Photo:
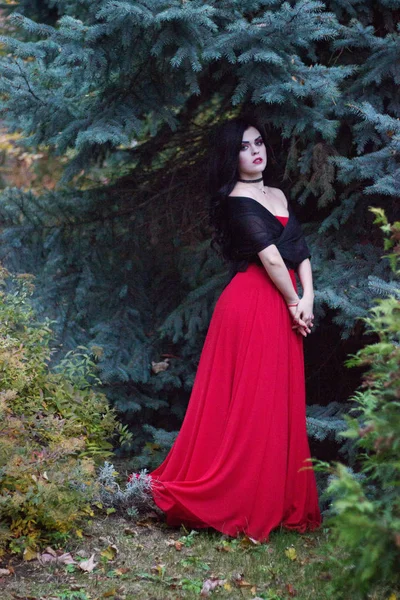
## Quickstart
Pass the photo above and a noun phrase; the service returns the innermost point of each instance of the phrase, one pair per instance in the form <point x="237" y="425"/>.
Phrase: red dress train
<point x="235" y="463"/>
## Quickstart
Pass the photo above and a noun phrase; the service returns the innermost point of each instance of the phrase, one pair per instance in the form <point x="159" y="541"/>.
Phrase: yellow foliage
<point x="27" y="170"/>
<point x="52" y="430"/>
<point x="30" y="554"/>
<point x="291" y="553"/>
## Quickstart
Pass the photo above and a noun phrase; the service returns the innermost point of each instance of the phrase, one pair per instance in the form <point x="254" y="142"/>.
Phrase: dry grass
<point x="149" y="561"/>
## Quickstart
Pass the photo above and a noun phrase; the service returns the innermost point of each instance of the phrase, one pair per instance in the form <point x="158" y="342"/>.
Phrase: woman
<point x="236" y="463"/>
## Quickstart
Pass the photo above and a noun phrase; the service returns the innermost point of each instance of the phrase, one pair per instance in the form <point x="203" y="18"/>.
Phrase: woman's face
<point x="252" y="155"/>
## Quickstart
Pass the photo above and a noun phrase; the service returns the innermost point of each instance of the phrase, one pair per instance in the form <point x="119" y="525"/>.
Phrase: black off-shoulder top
<point x="252" y="227"/>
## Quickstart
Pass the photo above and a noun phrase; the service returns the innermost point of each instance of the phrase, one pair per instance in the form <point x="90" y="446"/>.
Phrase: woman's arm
<point x="305" y="306"/>
<point x="305" y="274"/>
<point x="277" y="270"/>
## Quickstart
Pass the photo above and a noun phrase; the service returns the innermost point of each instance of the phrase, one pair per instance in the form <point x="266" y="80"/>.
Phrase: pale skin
<point x="274" y="200"/>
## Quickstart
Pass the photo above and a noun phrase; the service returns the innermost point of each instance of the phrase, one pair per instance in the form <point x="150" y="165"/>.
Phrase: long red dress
<point x="235" y="463"/>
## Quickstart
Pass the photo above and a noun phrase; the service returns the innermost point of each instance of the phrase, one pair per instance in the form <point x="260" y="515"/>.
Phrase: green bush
<point x="365" y="510"/>
<point x="53" y="428"/>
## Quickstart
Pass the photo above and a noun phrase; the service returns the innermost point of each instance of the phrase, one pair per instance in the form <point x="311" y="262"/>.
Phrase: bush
<point x="53" y="427"/>
<point x="132" y="499"/>
<point x="365" y="517"/>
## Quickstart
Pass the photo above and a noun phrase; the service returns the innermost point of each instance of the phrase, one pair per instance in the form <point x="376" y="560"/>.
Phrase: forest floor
<point x="126" y="560"/>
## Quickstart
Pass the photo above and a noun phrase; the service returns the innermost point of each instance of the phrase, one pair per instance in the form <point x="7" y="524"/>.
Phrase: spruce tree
<point x="129" y="92"/>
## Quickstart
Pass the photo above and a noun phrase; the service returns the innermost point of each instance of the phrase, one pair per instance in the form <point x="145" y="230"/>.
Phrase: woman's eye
<point x="244" y="147"/>
<point x="259" y="143"/>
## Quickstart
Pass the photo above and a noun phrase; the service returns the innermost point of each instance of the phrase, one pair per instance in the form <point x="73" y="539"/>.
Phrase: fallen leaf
<point x="227" y="587"/>
<point x="122" y="570"/>
<point x="110" y="593"/>
<point x="291" y="591"/>
<point x="110" y="553"/>
<point x="210" y="584"/>
<point x="175" y="543"/>
<point x="248" y="541"/>
<point x="224" y="548"/>
<point x="66" y="559"/>
<point x="130" y="531"/>
<point x="87" y="565"/>
<point x="239" y="581"/>
<point x="49" y="556"/>
<point x="144" y="524"/>
<point x="46" y="558"/>
<point x="178" y="546"/>
<point x="76" y="587"/>
<point x="29" y="554"/>
<point x="243" y="583"/>
<point x="158" y="367"/>
<point x="4" y="572"/>
<point x="291" y="553"/>
<point x="310" y="542"/>
<point x="159" y="569"/>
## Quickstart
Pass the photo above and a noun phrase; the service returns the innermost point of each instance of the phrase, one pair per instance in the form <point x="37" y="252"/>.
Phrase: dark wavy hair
<point x="223" y="175"/>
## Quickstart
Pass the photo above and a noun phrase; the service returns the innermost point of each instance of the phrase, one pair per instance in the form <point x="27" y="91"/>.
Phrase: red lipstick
<point x="257" y="160"/>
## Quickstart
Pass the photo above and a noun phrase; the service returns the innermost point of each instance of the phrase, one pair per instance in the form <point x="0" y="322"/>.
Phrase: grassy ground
<point x="148" y="561"/>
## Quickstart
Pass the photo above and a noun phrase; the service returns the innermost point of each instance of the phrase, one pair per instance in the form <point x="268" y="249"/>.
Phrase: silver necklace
<point x="254" y="181"/>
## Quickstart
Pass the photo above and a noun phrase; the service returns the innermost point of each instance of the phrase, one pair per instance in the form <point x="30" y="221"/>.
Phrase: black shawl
<point x="251" y="227"/>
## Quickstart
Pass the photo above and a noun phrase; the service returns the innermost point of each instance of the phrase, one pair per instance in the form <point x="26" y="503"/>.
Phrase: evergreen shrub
<point x="365" y="511"/>
<point x="54" y="428"/>
<point x="131" y="499"/>
<point x="127" y="96"/>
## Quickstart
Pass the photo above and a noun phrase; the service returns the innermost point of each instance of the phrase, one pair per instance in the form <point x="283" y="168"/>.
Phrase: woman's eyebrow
<point x="256" y="140"/>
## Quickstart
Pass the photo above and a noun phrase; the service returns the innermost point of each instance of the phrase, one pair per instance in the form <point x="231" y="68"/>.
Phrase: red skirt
<point x="236" y="463"/>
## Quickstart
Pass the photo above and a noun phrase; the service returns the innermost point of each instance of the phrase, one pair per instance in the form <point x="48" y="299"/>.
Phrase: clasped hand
<point x="302" y="315"/>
